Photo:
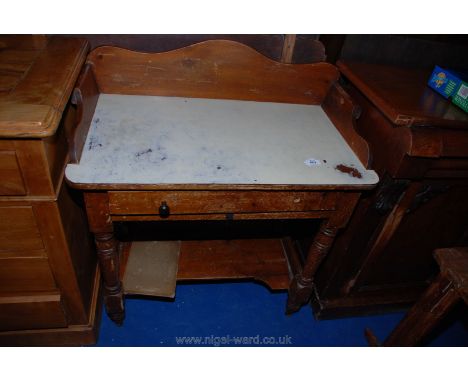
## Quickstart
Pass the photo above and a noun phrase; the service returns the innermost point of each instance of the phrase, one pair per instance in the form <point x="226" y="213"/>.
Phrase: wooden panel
<point x="436" y="218"/>
<point x="17" y="60"/>
<point x="34" y="167"/>
<point x="8" y="81"/>
<point x="211" y="69"/>
<point x="343" y="112"/>
<point x="79" y="240"/>
<point x="33" y="311"/>
<point x="56" y="151"/>
<point x="13" y="65"/>
<point x="71" y="335"/>
<point x="85" y="97"/>
<point x="57" y="246"/>
<point x="25" y="274"/>
<point x="233" y="216"/>
<point x="379" y="132"/>
<point x="10" y="175"/>
<point x="262" y="260"/>
<point x="18" y="230"/>
<point x="24" y="118"/>
<point x="194" y="202"/>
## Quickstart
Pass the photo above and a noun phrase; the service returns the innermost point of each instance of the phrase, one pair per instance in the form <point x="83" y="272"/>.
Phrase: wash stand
<point x="213" y="131"/>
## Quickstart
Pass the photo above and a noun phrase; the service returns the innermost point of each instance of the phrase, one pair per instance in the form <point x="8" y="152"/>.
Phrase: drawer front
<point x="36" y="311"/>
<point x="18" y="230"/>
<point x="206" y="202"/>
<point x="11" y="180"/>
<point x="25" y="274"/>
<point x="24" y="167"/>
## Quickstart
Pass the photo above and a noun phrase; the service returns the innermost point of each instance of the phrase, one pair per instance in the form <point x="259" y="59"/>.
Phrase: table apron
<point x="202" y="203"/>
<point x="227" y="216"/>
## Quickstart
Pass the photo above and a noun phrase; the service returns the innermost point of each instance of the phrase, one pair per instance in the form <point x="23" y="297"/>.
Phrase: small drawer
<point x="10" y="174"/>
<point x="25" y="274"/>
<point x="32" y="311"/>
<point x="212" y="202"/>
<point x="18" y="230"/>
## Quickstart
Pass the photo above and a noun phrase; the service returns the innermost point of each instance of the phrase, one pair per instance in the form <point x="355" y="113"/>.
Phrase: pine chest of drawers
<point x="48" y="280"/>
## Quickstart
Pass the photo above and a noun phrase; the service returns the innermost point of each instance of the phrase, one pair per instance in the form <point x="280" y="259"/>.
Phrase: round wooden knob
<point x="164" y="210"/>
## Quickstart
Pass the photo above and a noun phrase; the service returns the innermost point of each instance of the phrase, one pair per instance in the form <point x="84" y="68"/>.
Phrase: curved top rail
<point x="211" y="69"/>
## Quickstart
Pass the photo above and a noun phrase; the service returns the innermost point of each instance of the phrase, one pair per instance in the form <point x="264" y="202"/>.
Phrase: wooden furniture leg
<point x="301" y="285"/>
<point x="109" y="264"/>
<point x="445" y="291"/>
<point x="438" y="299"/>
<point x="97" y="208"/>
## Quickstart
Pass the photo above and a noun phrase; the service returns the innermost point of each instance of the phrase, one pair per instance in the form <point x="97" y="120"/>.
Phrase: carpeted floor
<point x="248" y="314"/>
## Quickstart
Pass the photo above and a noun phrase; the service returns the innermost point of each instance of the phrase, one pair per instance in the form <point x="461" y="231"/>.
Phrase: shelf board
<point x="262" y="260"/>
<point x="259" y="259"/>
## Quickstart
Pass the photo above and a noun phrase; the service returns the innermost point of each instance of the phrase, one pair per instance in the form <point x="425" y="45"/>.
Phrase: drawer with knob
<point x="168" y="203"/>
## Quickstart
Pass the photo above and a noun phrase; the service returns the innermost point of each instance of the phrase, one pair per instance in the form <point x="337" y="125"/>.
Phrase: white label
<point x="312" y="162"/>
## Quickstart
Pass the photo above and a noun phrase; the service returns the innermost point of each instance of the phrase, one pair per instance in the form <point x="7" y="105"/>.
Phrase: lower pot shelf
<point x="156" y="274"/>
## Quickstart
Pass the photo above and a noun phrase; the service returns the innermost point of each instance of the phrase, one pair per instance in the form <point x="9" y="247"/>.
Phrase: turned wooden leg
<point x="431" y="307"/>
<point x="109" y="265"/>
<point x="301" y="287"/>
<point x="100" y="223"/>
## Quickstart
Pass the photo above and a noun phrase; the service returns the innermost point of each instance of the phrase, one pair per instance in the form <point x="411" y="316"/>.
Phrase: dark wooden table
<point x="419" y="148"/>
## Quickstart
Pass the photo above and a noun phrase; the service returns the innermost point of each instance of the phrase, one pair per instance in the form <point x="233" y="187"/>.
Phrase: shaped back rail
<point x="211" y="69"/>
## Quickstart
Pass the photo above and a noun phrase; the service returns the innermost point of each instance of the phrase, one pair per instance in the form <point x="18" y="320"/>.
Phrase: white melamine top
<point x="171" y="140"/>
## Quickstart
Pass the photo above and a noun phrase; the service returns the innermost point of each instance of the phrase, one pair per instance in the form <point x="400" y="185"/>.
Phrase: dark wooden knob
<point x="164" y="210"/>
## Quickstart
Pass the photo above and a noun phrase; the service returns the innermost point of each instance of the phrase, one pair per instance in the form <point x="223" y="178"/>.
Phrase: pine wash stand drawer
<point x="215" y="131"/>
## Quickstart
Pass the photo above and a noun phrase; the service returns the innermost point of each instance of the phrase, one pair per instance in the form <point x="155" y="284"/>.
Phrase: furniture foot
<point x="109" y="265"/>
<point x="301" y="287"/>
<point x="299" y="293"/>
<point x="115" y="308"/>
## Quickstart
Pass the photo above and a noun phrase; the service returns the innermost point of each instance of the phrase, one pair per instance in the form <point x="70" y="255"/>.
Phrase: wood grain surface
<point x="212" y="69"/>
<point x="33" y="98"/>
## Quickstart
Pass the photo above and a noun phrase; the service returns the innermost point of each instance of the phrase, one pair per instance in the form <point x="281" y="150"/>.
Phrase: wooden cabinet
<point x="48" y="281"/>
<point x="419" y="148"/>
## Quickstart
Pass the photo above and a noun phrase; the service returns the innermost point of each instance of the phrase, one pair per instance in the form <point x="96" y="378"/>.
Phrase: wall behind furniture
<point x="419" y="51"/>
<point x="306" y="48"/>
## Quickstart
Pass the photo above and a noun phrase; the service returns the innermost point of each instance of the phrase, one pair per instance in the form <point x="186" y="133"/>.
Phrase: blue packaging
<point x="444" y="82"/>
